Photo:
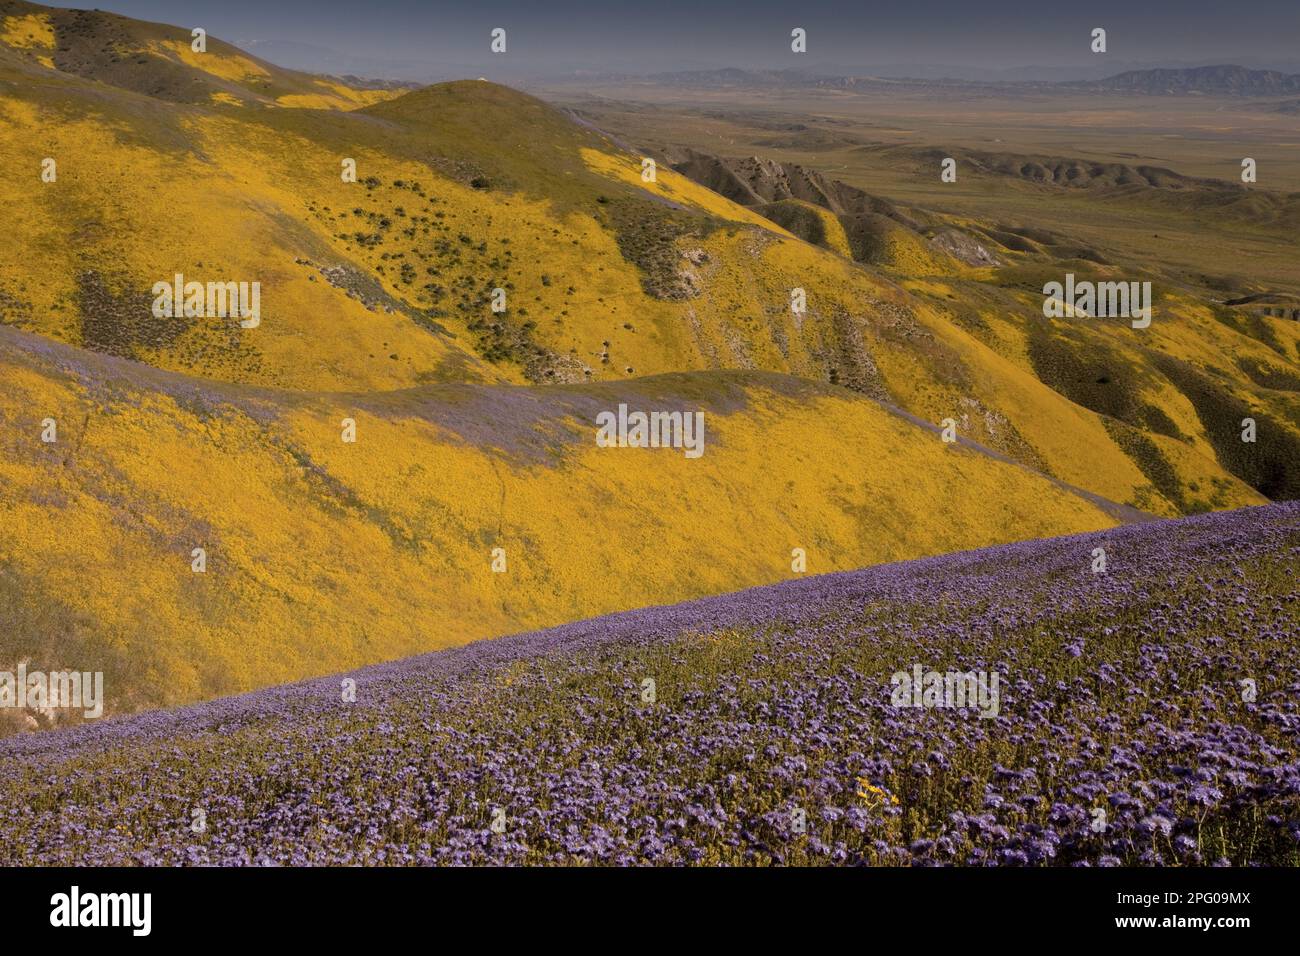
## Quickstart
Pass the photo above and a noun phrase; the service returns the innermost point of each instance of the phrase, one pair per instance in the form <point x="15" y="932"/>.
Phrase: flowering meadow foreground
<point x="1126" y="731"/>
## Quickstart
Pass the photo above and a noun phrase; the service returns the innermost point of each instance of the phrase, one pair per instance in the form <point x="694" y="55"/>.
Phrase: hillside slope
<point x="322" y="554"/>
<point x="159" y="60"/>
<point x="1172" y="397"/>
<point x="773" y="734"/>
<point x="466" y="188"/>
<point x="475" y="427"/>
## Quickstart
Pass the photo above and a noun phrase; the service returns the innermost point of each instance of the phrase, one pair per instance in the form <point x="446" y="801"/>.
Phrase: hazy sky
<point x="564" y="35"/>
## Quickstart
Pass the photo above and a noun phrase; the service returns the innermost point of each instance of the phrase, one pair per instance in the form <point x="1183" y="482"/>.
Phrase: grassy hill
<point x="475" y="427"/>
<point x="469" y="187"/>
<point x="1209" y="362"/>
<point x="322" y="554"/>
<point x="159" y="60"/>
<point x="772" y="736"/>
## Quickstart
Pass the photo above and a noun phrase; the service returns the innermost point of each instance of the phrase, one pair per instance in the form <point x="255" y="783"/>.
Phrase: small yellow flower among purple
<point x="873" y="795"/>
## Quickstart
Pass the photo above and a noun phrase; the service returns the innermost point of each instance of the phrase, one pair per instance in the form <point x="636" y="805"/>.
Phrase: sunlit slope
<point x="463" y="189"/>
<point x="159" y="60"/>
<point x="322" y="554"/>
<point x="467" y="188"/>
<point x="1152" y="416"/>
<point x="146" y="190"/>
<point x="1174" y="397"/>
<point x="861" y="330"/>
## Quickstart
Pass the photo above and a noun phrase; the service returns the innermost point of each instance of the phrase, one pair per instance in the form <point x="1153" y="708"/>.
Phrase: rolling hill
<point x="771" y="732"/>
<point x="321" y="554"/>
<point x="475" y="427"/>
<point x="158" y="60"/>
<point x="469" y="187"/>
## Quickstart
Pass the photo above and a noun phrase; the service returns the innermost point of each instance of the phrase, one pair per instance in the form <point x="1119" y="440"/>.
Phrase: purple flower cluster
<point x="1148" y="716"/>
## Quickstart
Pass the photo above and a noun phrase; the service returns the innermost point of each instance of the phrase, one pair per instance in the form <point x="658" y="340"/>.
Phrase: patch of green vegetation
<point x="1156" y="419"/>
<point x="122" y="322"/>
<point x="1148" y="457"/>
<point x="492" y="138"/>
<point x="1267" y="375"/>
<point x="1032" y="276"/>
<point x="1267" y="464"/>
<point x="647" y="233"/>
<point x="13" y="309"/>
<point x="1096" y="376"/>
<point x="797" y="218"/>
<point x="502" y="340"/>
<point x="1011" y="241"/>
<point x="1250" y="325"/>
<point x="867" y="234"/>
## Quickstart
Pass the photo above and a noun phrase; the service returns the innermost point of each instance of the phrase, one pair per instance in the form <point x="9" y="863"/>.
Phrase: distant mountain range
<point x="1220" y="80"/>
<point x="1227" y="79"/>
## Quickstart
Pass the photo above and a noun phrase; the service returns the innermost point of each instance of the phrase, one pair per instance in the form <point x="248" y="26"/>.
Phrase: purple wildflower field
<point x="772" y="737"/>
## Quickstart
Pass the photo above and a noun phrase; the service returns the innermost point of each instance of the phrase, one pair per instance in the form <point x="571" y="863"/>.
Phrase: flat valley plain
<point x="888" y="144"/>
